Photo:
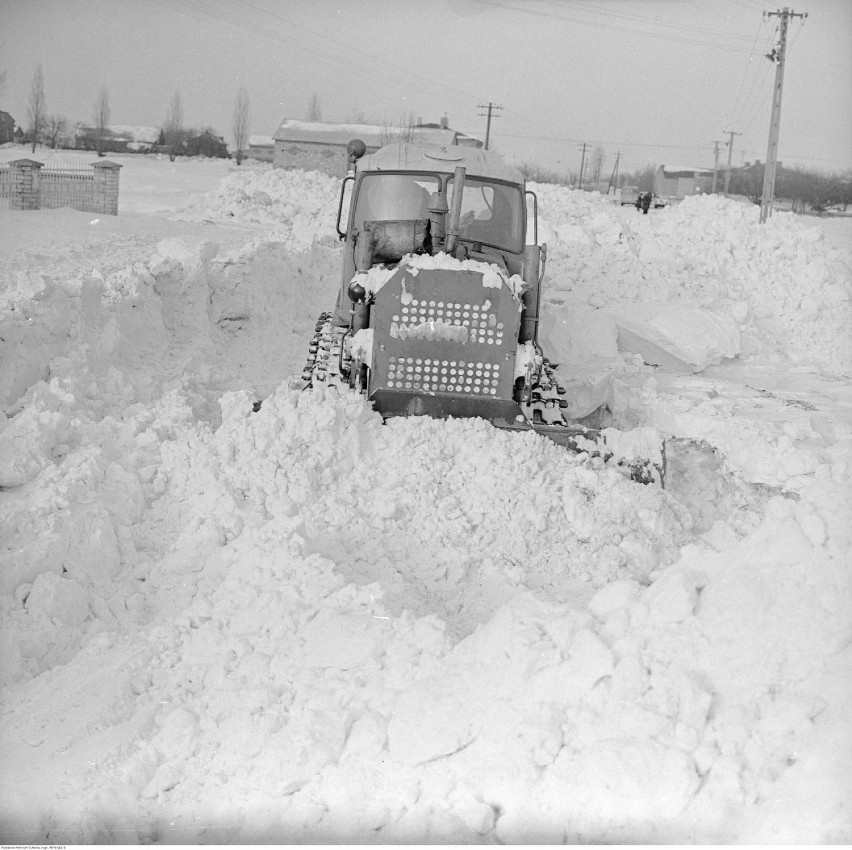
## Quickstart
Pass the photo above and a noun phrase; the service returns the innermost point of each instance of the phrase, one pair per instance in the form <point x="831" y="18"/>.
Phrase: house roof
<point x="292" y="130"/>
<point x="444" y="158"/>
<point x="147" y="135"/>
<point x="685" y="171"/>
<point x="373" y="135"/>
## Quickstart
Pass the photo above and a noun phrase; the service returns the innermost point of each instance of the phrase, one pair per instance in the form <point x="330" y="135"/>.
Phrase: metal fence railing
<point x="67" y="185"/>
<point x="5" y="186"/>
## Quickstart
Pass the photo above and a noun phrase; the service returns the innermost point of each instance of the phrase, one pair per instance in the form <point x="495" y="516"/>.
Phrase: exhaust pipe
<point x="455" y="210"/>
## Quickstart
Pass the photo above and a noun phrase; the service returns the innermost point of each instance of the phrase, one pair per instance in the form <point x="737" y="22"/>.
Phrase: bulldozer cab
<point x="491" y="212"/>
<point x="403" y="193"/>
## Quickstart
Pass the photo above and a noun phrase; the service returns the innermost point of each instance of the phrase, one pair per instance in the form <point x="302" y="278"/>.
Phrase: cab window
<point x="491" y="213"/>
<point x="393" y="197"/>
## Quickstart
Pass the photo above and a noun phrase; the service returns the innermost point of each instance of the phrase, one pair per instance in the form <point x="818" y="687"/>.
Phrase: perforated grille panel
<point x="442" y="332"/>
<point x="457" y="376"/>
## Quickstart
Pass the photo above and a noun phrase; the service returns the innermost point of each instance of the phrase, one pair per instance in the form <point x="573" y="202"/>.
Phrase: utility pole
<point x="715" y="164"/>
<point x="490" y="107"/>
<point x="614" y="176"/>
<point x="778" y="55"/>
<point x="582" y="164"/>
<point x="730" y="144"/>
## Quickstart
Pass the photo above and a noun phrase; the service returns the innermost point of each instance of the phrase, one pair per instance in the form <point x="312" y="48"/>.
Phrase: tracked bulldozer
<point x="438" y="308"/>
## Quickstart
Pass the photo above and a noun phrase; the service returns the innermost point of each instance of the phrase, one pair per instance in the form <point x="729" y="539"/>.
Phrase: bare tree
<point x="55" y="130"/>
<point x="642" y="177"/>
<point x="173" y="127"/>
<point x="240" y="126"/>
<point x="314" y="108"/>
<point x="36" y="105"/>
<point x="101" y="117"/>
<point x="402" y="132"/>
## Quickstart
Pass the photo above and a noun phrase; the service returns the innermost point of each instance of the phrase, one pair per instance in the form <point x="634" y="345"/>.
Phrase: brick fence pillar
<point x="25" y="195"/>
<point x="106" y="186"/>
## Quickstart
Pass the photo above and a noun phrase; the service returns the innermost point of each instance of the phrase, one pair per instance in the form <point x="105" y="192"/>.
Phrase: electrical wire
<point x="749" y="69"/>
<point x="528" y="10"/>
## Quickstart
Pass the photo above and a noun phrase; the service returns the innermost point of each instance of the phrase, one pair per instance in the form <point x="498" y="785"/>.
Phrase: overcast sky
<point x="657" y="80"/>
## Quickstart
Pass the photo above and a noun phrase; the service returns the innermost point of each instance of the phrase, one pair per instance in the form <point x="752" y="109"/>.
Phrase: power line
<point x="749" y="68"/>
<point x="527" y="10"/>
<point x="223" y="17"/>
<point x="613" y="13"/>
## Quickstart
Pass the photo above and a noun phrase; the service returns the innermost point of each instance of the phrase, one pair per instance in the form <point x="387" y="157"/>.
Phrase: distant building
<point x="319" y="146"/>
<point x="7" y="128"/>
<point x="677" y="181"/>
<point x="261" y="148"/>
<point x="117" y="138"/>
<point x="206" y="144"/>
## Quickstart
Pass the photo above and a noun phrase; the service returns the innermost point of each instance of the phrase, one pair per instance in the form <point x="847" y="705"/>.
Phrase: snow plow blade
<point x="644" y="463"/>
<point x="638" y="454"/>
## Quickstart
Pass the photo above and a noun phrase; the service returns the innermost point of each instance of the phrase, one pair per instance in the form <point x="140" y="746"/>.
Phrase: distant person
<point x="638" y="203"/>
<point x="646" y="203"/>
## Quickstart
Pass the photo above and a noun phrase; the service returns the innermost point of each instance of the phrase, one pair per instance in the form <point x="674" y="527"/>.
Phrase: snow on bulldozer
<point x="438" y="308"/>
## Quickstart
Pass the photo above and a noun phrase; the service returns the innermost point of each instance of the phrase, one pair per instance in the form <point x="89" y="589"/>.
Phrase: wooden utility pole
<point x="614" y="177"/>
<point x="582" y="164"/>
<point x="730" y="144"/>
<point x="777" y="56"/>
<point x="715" y="164"/>
<point x="490" y="107"/>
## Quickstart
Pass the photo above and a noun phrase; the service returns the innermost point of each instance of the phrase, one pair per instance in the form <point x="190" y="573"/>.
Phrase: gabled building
<point x="206" y="144"/>
<point x="7" y="128"/>
<point x="679" y="181"/>
<point x="261" y="148"/>
<point x="117" y="138"/>
<point x="320" y="146"/>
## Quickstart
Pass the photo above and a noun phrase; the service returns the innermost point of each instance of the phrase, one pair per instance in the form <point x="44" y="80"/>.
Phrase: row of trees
<point x="54" y="129"/>
<point x="809" y="190"/>
<point x="813" y="190"/>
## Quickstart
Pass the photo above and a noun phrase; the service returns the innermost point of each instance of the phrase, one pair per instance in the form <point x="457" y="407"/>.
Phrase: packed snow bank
<point x="183" y="305"/>
<point x="781" y="284"/>
<point x="304" y="203"/>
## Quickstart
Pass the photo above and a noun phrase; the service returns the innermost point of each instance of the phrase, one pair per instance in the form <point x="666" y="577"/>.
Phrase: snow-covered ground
<point x="303" y="625"/>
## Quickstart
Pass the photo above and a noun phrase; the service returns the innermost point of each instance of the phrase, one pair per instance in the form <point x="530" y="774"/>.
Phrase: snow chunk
<point x="526" y="356"/>
<point x="674" y="336"/>
<point x="59" y="598"/>
<point x="336" y="640"/>
<point x="616" y="595"/>
<point x="576" y="333"/>
<point x="361" y="346"/>
<point x="373" y="279"/>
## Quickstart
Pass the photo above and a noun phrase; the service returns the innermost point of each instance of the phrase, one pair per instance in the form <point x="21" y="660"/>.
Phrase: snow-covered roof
<point x="373" y="135"/>
<point x="685" y="170"/>
<point x="131" y="132"/>
<point x="261" y="142"/>
<point x="444" y="158"/>
<point x="292" y="130"/>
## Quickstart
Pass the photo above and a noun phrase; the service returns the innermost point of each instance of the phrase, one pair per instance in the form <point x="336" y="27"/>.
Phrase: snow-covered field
<point x="303" y="625"/>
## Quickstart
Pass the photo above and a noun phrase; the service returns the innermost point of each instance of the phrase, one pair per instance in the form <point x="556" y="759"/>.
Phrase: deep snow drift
<point x="301" y="624"/>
